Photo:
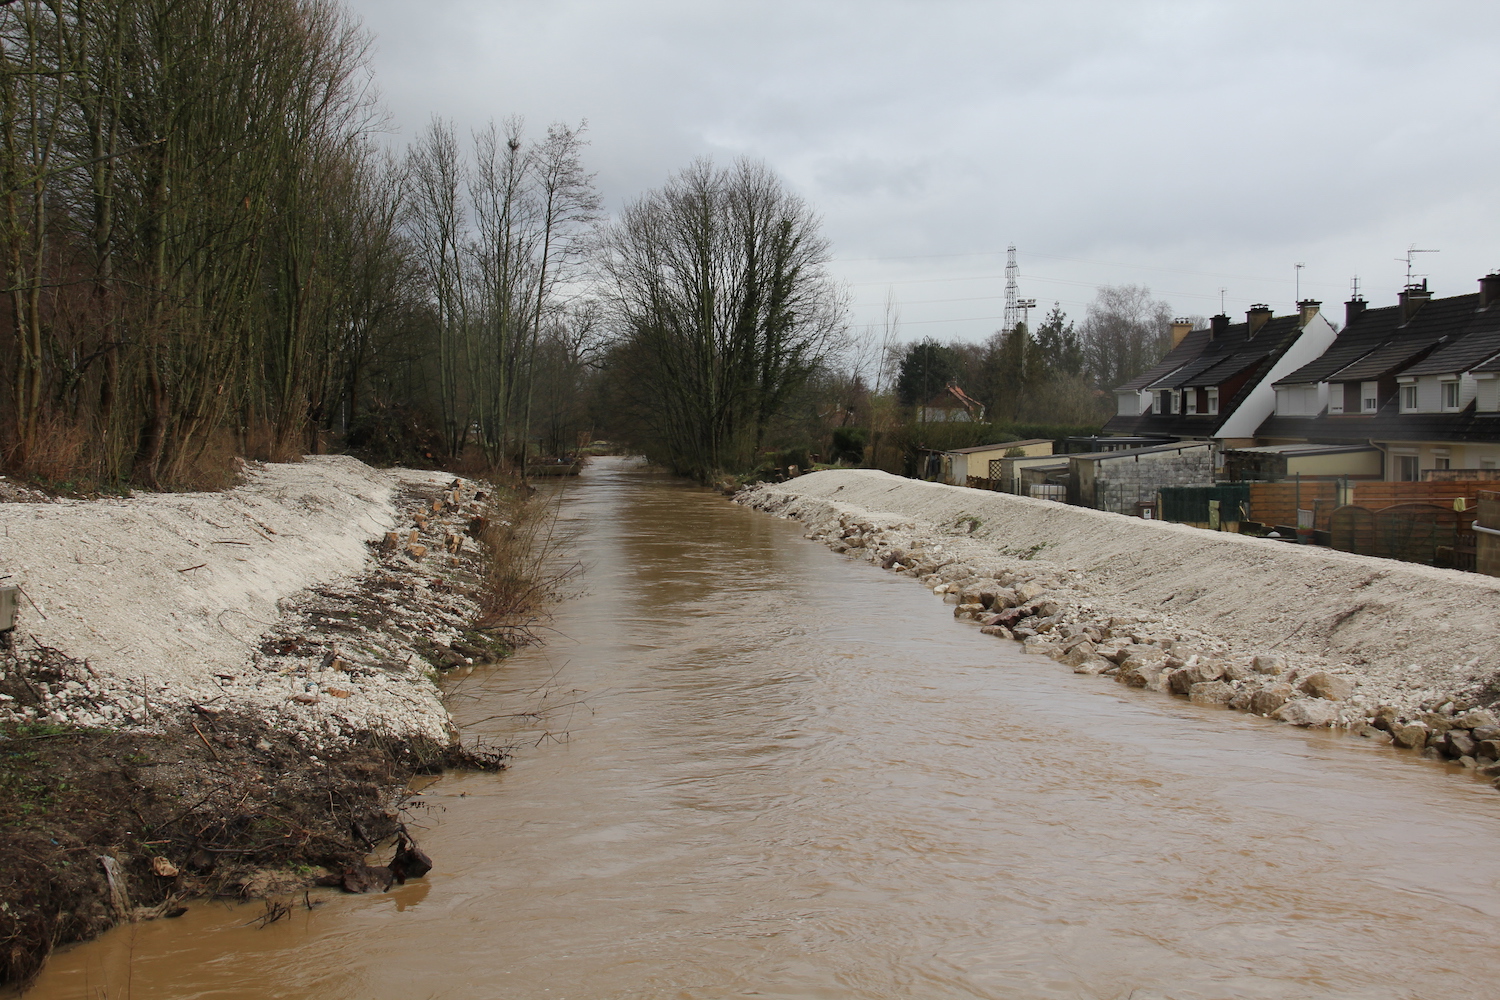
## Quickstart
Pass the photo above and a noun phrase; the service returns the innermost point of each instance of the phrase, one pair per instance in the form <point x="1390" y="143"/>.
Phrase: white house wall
<point x="1315" y="338"/>
<point x="1487" y="391"/>
<point x="1304" y="400"/>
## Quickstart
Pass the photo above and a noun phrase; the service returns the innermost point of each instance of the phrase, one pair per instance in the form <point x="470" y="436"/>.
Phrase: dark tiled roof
<point x="1369" y="330"/>
<point x="1479" y="343"/>
<point x="1232" y="353"/>
<point x="1192" y="345"/>
<point x="1437" y="322"/>
<point x="1387" y="425"/>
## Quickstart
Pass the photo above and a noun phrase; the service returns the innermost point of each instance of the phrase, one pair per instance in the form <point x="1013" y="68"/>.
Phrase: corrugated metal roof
<point x="1002" y="444"/>
<point x="1132" y="452"/>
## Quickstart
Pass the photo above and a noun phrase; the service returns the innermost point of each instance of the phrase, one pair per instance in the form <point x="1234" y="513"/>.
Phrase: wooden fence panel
<point x="1276" y="503"/>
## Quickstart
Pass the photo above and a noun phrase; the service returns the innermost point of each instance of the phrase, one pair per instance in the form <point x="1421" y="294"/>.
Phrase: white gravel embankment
<point x="160" y="602"/>
<point x="1309" y="635"/>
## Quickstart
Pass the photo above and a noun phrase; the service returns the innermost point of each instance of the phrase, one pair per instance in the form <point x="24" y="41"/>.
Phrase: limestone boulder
<point x="1268" y="663"/>
<point x="1142" y="671"/>
<point x="1140" y="652"/>
<point x="1236" y="671"/>
<point x="1080" y="652"/>
<point x="1029" y="591"/>
<point x="1182" y="680"/>
<point x="1216" y="693"/>
<point x="1478" y="718"/>
<point x="1458" y="743"/>
<point x="1329" y="687"/>
<point x="1270" y="698"/>
<point x="999" y="631"/>
<point x="1311" y="712"/>
<point x="1410" y="735"/>
<point x="1094" y="665"/>
<point x="1038" y="644"/>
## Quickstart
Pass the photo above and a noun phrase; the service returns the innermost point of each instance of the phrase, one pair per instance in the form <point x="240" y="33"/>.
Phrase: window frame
<point x="1450" y="387"/>
<point x="1410" y="397"/>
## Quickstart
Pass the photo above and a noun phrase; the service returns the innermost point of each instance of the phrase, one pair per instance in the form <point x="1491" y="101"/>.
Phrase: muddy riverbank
<point x="750" y="767"/>
<point x="226" y="694"/>
<point x="1401" y="653"/>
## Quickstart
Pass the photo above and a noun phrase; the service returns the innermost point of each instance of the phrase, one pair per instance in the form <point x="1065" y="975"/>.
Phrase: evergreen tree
<point x="926" y="368"/>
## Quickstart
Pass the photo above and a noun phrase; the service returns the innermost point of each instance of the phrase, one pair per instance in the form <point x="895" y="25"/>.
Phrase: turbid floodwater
<point x="751" y="767"/>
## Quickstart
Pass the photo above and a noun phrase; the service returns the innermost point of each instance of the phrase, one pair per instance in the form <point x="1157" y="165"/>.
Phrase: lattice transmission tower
<point x="1017" y="310"/>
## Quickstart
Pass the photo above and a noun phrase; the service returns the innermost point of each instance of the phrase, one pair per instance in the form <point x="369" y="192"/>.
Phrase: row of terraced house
<point x="1404" y="392"/>
<point x="1382" y="436"/>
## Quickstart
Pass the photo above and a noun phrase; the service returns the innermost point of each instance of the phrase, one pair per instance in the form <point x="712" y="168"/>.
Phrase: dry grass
<point x="526" y="566"/>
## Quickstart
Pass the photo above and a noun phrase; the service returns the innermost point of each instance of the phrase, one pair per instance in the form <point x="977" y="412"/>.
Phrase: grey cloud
<point x="1178" y="136"/>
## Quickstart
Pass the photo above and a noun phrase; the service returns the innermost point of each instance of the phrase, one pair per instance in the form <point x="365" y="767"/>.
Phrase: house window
<point x="1369" y="397"/>
<point x="1190" y="401"/>
<point x="1409" y="402"/>
<point x="1213" y="402"/>
<point x="1441" y="463"/>
<point x="1407" y="469"/>
<point x="1486" y="463"/>
<point x="1164" y="402"/>
<point x="1450" y="395"/>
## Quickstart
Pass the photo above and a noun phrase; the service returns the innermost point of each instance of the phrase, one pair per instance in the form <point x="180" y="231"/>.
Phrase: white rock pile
<point x="1096" y="624"/>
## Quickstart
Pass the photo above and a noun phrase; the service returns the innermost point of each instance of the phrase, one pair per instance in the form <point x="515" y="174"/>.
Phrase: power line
<point x="1074" y="260"/>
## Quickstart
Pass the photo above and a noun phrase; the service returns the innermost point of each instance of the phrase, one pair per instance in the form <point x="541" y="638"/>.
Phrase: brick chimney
<point x="1217" y="326"/>
<point x="1306" y="310"/>
<point x="1353" y="308"/>
<point x="1412" y="298"/>
<point x="1181" y="328"/>
<point x="1257" y="316"/>
<point x="1489" y="290"/>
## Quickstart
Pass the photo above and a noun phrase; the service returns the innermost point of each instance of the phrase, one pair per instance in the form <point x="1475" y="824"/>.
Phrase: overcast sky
<point x="1187" y="146"/>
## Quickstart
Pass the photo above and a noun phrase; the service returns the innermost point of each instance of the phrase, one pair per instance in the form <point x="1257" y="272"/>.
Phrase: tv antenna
<point x="1221" y="300"/>
<point x="1297" y="267"/>
<point x="1354" y="284"/>
<point x="1411" y="252"/>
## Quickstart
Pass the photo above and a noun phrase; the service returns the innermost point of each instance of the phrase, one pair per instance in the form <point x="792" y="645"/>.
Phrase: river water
<point x="750" y="767"/>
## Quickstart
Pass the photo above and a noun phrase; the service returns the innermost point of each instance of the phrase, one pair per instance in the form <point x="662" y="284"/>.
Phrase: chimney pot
<point x="1489" y="289"/>
<point x="1412" y="298"/>
<point x="1180" y="329"/>
<point x="1353" y="308"/>
<point x="1257" y="316"/>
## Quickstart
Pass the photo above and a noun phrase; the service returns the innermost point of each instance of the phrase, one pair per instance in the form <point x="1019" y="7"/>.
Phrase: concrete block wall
<point x="1121" y="482"/>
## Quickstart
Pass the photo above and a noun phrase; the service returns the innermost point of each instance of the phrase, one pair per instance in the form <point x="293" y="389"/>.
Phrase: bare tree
<point x="439" y="227"/>
<point x="1125" y="332"/>
<point x="725" y="306"/>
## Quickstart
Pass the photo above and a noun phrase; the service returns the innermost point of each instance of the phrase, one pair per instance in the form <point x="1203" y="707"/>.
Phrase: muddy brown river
<point x="749" y="767"/>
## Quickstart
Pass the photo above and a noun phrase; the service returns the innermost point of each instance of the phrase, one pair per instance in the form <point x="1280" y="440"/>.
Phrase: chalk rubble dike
<point x="211" y="693"/>
<point x="1397" y="652"/>
<point x="165" y="601"/>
